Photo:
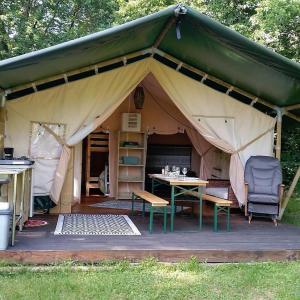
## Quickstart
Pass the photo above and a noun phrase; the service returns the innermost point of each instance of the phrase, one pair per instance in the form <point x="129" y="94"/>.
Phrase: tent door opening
<point x="173" y="150"/>
<point x="96" y="170"/>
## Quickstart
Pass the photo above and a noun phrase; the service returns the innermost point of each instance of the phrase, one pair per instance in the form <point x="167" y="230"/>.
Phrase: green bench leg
<point x="172" y="207"/>
<point x="228" y="218"/>
<point x="216" y="212"/>
<point x="151" y="219"/>
<point x="215" y="218"/>
<point x="165" y="219"/>
<point x="200" y="207"/>
<point x="144" y="204"/>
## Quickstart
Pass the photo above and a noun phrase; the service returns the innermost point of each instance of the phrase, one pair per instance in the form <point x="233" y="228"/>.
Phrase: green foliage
<point x="292" y="212"/>
<point x="133" y="9"/>
<point x="28" y="25"/>
<point x="290" y="158"/>
<point x="277" y="25"/>
<point x="235" y="14"/>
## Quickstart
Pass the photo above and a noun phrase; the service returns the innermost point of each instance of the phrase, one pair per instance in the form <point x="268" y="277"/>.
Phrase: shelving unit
<point x="96" y="142"/>
<point x="131" y="176"/>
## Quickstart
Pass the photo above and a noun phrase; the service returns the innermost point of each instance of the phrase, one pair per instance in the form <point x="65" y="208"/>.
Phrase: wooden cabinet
<point x="132" y="148"/>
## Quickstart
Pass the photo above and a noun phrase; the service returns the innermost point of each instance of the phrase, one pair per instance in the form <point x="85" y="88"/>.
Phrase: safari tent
<point x="199" y="78"/>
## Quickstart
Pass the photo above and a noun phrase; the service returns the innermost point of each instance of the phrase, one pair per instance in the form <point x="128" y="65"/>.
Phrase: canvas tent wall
<point x="86" y="104"/>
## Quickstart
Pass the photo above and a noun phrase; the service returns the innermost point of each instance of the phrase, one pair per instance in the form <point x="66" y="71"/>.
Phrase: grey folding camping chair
<point x="264" y="188"/>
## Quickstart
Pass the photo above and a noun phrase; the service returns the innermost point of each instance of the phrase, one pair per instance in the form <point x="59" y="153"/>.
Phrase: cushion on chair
<point x="263" y="208"/>
<point x="263" y="175"/>
<point x="263" y="180"/>
<point x="263" y="198"/>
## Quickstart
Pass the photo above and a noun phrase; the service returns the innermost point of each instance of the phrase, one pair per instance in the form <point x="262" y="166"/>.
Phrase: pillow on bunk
<point x="220" y="192"/>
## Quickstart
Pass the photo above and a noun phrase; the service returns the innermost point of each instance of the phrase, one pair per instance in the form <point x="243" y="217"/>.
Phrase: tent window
<point x="50" y="84"/>
<point x="19" y="94"/>
<point x="43" y="144"/>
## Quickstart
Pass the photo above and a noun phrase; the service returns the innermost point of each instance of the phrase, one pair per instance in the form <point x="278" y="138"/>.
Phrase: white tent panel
<point x="44" y="171"/>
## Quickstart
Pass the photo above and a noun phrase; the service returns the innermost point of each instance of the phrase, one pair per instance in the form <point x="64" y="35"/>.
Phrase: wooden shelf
<point x="131" y="176"/>
<point x="131" y="148"/>
<point x="126" y="165"/>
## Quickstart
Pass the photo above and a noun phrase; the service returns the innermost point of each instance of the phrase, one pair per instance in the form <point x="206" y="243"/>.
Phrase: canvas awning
<point x="204" y="44"/>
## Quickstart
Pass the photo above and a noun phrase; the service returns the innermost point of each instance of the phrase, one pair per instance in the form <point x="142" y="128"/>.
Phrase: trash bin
<point x="5" y="218"/>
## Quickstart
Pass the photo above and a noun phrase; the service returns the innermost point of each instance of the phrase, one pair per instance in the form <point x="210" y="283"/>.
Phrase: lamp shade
<point x="139" y="97"/>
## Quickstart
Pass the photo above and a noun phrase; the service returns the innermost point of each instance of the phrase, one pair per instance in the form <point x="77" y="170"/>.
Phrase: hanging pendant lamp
<point x="139" y="97"/>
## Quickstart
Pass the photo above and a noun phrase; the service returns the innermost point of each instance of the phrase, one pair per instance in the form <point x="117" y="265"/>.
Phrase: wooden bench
<point x="220" y="205"/>
<point x="154" y="201"/>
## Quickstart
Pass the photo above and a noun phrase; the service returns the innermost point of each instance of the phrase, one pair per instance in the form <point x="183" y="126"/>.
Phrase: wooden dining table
<point x="180" y="186"/>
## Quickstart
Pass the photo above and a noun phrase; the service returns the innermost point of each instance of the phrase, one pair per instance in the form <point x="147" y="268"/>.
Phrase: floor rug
<point x="88" y="224"/>
<point x="123" y="204"/>
<point x="35" y="223"/>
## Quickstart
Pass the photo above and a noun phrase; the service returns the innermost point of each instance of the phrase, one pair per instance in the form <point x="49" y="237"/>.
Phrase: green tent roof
<point x="205" y="44"/>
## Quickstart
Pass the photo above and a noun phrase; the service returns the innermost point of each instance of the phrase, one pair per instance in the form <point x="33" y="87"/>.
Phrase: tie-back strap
<point x="252" y="141"/>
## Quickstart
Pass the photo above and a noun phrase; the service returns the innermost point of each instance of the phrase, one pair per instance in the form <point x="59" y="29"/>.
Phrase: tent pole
<point x="292" y="116"/>
<point x="2" y="122"/>
<point x="165" y="30"/>
<point x="278" y="130"/>
<point x="289" y="193"/>
<point x="180" y="10"/>
<point x="292" y="107"/>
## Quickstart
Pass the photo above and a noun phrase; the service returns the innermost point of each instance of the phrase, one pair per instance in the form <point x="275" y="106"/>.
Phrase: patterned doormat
<point x="124" y="204"/>
<point x="87" y="224"/>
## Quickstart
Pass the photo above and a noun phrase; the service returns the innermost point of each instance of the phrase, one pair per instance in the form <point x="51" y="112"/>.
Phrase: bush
<point x="290" y="157"/>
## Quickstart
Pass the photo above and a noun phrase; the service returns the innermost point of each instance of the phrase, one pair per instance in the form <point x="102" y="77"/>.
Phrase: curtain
<point x="221" y="120"/>
<point x="204" y="149"/>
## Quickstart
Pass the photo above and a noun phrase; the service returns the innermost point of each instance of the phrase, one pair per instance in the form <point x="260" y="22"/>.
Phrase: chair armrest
<point x="246" y="196"/>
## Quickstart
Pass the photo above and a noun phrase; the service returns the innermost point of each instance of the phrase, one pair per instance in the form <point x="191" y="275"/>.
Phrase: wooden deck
<point x="260" y="241"/>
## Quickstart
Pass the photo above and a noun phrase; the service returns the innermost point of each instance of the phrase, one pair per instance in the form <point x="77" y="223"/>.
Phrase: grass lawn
<point x="151" y="280"/>
<point x="292" y="212"/>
